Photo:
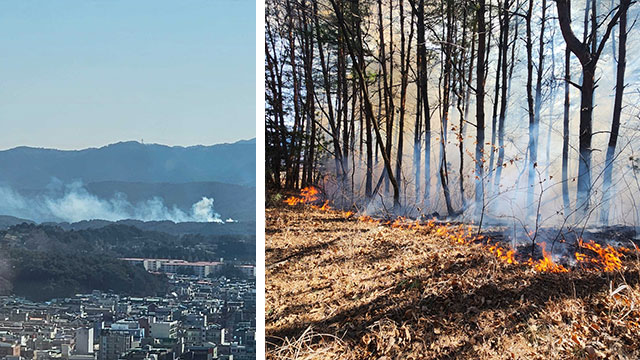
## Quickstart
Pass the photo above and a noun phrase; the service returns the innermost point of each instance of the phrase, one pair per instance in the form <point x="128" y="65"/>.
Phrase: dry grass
<point x="340" y="288"/>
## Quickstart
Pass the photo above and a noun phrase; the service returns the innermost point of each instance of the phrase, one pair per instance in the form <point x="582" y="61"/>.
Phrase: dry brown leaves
<point x="340" y="288"/>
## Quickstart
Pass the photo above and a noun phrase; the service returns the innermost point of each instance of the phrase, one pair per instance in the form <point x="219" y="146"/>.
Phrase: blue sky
<point x="76" y="74"/>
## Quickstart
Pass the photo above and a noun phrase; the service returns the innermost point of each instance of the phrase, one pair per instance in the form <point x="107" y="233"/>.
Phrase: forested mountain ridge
<point x="130" y="180"/>
<point x="119" y="240"/>
<point x="131" y="161"/>
<point x="247" y="228"/>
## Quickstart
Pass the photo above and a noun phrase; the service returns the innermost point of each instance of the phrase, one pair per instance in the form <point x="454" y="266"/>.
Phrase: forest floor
<point x="337" y="287"/>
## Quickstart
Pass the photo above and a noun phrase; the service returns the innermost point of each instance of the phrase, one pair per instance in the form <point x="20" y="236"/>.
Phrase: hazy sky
<point x="76" y="74"/>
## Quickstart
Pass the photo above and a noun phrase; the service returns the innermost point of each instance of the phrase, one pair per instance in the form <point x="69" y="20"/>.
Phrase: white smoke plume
<point x="75" y="203"/>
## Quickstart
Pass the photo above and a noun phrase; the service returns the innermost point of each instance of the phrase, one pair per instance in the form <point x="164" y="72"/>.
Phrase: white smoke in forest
<point x="507" y="201"/>
<point x="203" y="210"/>
<point x="74" y="203"/>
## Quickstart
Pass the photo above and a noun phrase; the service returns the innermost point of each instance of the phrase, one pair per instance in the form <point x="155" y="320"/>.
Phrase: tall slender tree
<point x="588" y="54"/>
<point x="480" y="91"/>
<point x="617" y="109"/>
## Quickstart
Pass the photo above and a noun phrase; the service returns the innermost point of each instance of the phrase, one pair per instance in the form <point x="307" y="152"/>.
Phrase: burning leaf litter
<point x="394" y="289"/>
<point x="546" y="264"/>
<point x="307" y="195"/>
<point x="608" y="258"/>
<point x="591" y="256"/>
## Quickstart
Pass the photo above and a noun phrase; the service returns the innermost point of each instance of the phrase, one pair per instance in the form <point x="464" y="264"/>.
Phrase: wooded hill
<point x="42" y="262"/>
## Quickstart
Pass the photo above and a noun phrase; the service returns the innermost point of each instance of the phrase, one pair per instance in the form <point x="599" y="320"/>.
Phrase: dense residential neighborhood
<point x="198" y="319"/>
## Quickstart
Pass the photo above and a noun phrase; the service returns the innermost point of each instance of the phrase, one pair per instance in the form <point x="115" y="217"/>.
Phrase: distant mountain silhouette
<point x="34" y="168"/>
<point x="8" y="221"/>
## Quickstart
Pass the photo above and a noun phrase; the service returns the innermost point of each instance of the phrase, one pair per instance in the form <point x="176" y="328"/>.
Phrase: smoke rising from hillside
<point x="72" y="203"/>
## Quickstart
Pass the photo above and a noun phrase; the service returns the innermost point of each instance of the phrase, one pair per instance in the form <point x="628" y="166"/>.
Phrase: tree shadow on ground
<point x="410" y="301"/>
<point x="301" y="253"/>
<point x="437" y="288"/>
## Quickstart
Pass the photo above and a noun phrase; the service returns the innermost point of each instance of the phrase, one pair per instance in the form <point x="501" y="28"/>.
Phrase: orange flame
<point x="399" y="222"/>
<point x="458" y="234"/>
<point x="606" y="259"/>
<point x="307" y="195"/>
<point x="292" y="200"/>
<point x="369" y="219"/>
<point x="324" y="207"/>
<point x="508" y="256"/>
<point x="546" y="264"/>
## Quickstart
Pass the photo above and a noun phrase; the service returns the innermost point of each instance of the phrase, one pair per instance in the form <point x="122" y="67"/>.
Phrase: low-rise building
<point x="84" y="341"/>
<point x="201" y="269"/>
<point x="9" y="349"/>
<point x="114" y="343"/>
<point x="248" y="270"/>
<point x="163" y="329"/>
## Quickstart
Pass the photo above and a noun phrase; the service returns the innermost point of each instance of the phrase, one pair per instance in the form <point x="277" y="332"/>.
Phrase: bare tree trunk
<point x="307" y="176"/>
<point x="417" y="140"/>
<point x="276" y="86"/>
<point x="460" y="104"/>
<point x="532" y="148"/>
<point x="299" y="134"/>
<point x="588" y="59"/>
<point x="361" y="93"/>
<point x="333" y="129"/>
<point x="540" y="67"/>
<point x="503" y="98"/>
<point x="388" y="99"/>
<point x="446" y="91"/>
<point x="494" y="114"/>
<point x="467" y="100"/>
<point x="565" y="130"/>
<point x="617" y="108"/>
<point x="392" y="113"/>
<point x="480" y="76"/>
<point x="504" y="31"/>
<point x="427" y="141"/>
<point x="405" y="56"/>
<point x="554" y="93"/>
<point x="418" y="9"/>
<point x="291" y="170"/>
<point x="534" y="107"/>
<point x="540" y="70"/>
<point x="344" y="103"/>
<point x="352" y="134"/>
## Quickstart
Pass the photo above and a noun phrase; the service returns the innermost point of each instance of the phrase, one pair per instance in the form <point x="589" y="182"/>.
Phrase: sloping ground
<point x="337" y="287"/>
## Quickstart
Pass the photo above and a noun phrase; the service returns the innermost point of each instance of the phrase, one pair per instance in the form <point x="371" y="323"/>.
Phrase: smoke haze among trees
<point x="484" y="110"/>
